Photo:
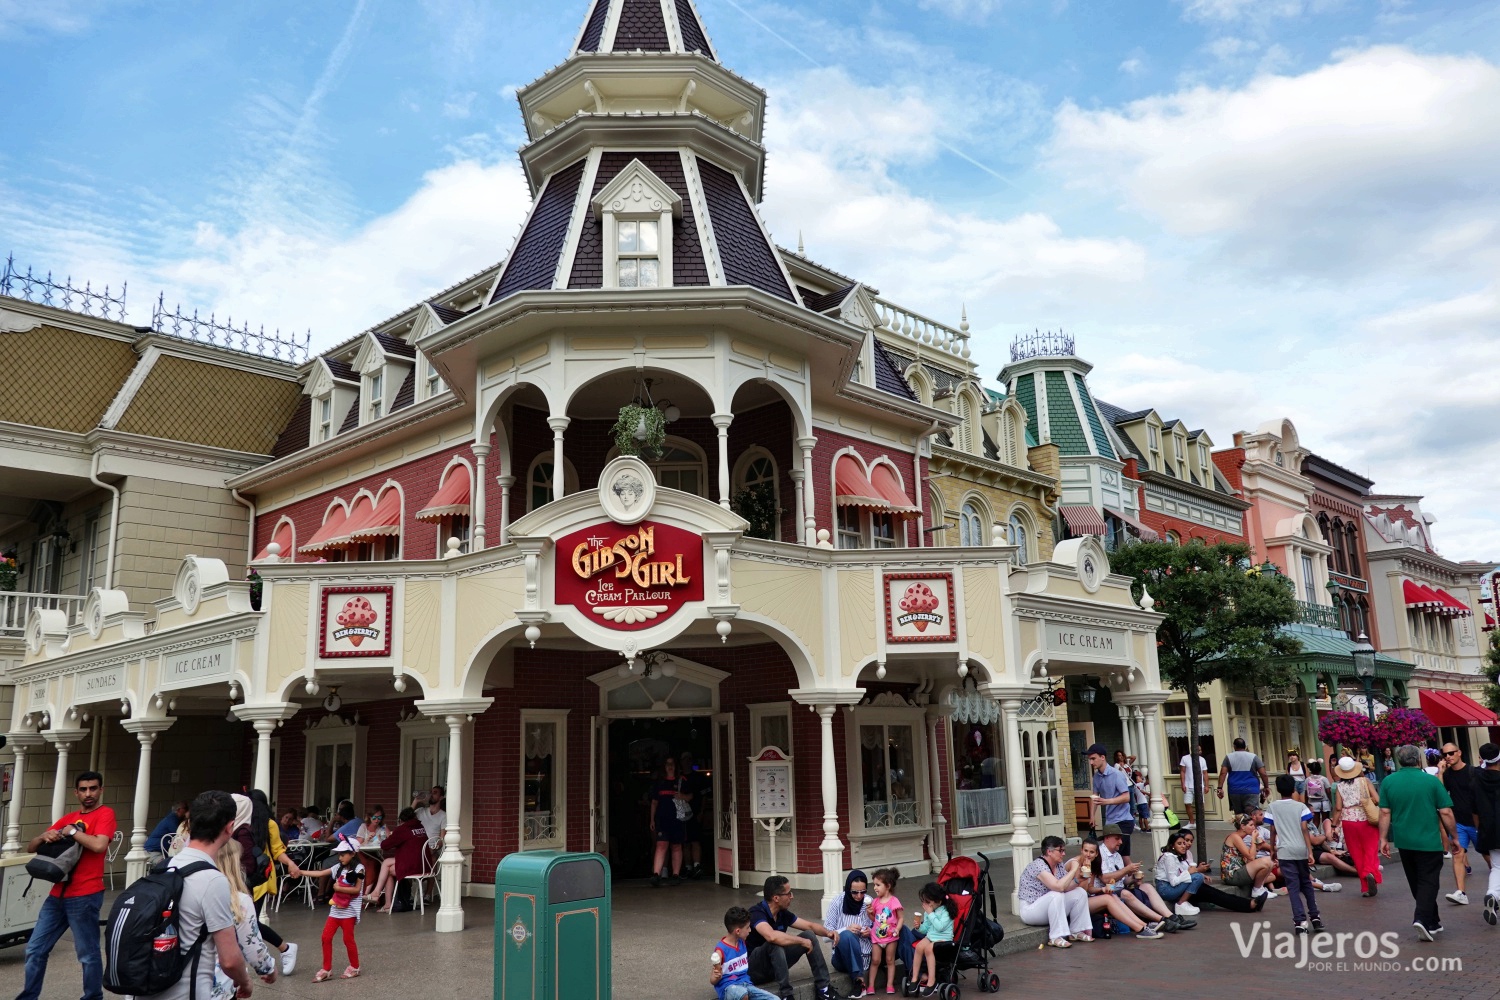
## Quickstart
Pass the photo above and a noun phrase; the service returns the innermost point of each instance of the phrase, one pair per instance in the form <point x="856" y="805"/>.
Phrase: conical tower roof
<point x="643" y="26"/>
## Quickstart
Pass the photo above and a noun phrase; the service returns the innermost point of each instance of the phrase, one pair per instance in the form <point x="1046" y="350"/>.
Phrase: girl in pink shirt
<point x="885" y="930"/>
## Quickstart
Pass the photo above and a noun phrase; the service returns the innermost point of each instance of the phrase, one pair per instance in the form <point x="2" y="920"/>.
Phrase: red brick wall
<point x="1163" y="523"/>
<point x="831" y="443"/>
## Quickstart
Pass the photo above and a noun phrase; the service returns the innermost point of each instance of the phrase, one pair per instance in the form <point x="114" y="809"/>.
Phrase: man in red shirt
<point x="74" y="904"/>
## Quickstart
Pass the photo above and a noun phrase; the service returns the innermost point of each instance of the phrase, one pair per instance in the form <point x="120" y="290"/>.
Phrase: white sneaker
<point x="1459" y="896"/>
<point x="289" y="959"/>
<point x="1186" y="909"/>
<point x="1259" y="891"/>
<point x="1331" y="886"/>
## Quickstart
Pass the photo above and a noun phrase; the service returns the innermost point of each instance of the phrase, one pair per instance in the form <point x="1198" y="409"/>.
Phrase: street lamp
<point x="1364" y="666"/>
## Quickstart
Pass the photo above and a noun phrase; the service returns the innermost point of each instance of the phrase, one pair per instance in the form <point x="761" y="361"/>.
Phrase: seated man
<point x="165" y="829"/>
<point x="774" y="948"/>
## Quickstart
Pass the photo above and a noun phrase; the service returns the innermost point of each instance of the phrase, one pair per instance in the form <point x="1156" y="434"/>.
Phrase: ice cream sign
<point x="356" y="621"/>
<point x="919" y="607"/>
<point x="629" y="577"/>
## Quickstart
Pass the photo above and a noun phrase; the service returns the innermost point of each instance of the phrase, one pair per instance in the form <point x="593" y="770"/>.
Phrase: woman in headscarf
<point x="259" y="837"/>
<point x="850" y="919"/>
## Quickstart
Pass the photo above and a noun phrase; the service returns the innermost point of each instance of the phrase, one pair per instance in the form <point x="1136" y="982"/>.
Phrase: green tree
<point x="1492" y="671"/>
<point x="1223" y="621"/>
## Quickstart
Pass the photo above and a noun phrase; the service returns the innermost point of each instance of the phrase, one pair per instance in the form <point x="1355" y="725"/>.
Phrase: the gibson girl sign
<point x="356" y="621"/>
<point x="629" y="577"/>
<point x="919" y="607"/>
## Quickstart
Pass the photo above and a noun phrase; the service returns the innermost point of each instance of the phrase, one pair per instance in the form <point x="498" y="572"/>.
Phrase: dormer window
<point x="638" y="258"/>
<point x="635" y="211"/>
<point x="325" y="417"/>
<point x="375" y="393"/>
<point x="434" y="381"/>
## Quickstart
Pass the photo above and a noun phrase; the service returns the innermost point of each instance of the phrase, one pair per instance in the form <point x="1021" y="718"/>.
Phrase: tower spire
<point x="670" y="26"/>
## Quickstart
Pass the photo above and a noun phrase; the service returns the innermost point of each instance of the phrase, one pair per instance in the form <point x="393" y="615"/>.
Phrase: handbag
<point x="1372" y="810"/>
<point x="684" y="808"/>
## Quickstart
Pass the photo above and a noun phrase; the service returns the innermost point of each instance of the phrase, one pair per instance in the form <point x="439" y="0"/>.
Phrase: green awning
<point x="1330" y="651"/>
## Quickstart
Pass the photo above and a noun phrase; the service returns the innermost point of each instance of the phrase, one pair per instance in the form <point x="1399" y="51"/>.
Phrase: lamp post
<point x="1364" y="666"/>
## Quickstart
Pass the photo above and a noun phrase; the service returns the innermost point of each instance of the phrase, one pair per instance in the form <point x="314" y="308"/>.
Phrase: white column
<point x="1021" y="841"/>
<point x="19" y="744"/>
<point x="939" y="849"/>
<point x="264" y="729"/>
<point x="1127" y="737"/>
<point x="832" y="847"/>
<point x="505" y="483"/>
<point x="809" y="497"/>
<point x="722" y="422"/>
<point x="476" y="497"/>
<point x="145" y="731"/>
<point x="450" y="916"/>
<point x="559" y="478"/>
<point x="1138" y="737"/>
<point x="63" y="742"/>
<point x="797" y="508"/>
<point x="1156" y="756"/>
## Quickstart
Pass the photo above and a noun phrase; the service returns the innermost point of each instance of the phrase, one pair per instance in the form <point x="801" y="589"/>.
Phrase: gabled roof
<point x="446" y="314"/>
<point x="888" y="376"/>
<point x="341" y="370"/>
<point x="395" y="345"/>
<point x="643" y="26"/>
<point x="823" y="303"/>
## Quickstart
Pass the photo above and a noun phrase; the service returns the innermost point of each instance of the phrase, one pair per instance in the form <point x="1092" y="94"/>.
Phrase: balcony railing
<point x="15" y="608"/>
<point x="1318" y="614"/>
<point x="922" y="330"/>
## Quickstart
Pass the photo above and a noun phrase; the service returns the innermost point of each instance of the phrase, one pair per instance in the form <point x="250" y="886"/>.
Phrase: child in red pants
<point x="348" y="895"/>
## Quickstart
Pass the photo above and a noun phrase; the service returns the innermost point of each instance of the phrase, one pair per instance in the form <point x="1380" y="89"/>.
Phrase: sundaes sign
<point x="629" y="577"/>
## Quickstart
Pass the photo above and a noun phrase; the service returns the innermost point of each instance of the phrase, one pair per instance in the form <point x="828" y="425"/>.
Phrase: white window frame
<point x="765" y="710"/>
<point x="1021" y="538"/>
<point x="559" y="838"/>
<point x="741" y="480"/>
<point x="324" y="430"/>
<point x="375" y="395"/>
<point x="860" y="716"/>
<point x="413" y="729"/>
<point x="432" y="382"/>
<point x="332" y="730"/>
<point x="970" y="525"/>
<point x="570" y="477"/>
<point x="636" y="195"/>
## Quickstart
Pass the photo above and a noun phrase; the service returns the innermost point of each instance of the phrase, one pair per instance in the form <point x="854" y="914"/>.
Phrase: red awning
<point x="451" y="499"/>
<point x="368" y="522"/>
<point x="1452" y="605"/>
<point x="282" y="537"/>
<point x="884" y="481"/>
<point x="332" y="525"/>
<point x="853" y="488"/>
<point x="1454" y="708"/>
<point x="1083" y="519"/>
<point x="1418" y="596"/>
<point x="1142" y="531"/>
<point x="1489" y="622"/>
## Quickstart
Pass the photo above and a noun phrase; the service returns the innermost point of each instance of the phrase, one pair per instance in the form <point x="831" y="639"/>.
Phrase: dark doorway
<point x="637" y="749"/>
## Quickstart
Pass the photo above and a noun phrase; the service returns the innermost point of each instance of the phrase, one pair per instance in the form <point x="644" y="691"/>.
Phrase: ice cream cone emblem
<point x="357" y="614"/>
<point x="919" y="600"/>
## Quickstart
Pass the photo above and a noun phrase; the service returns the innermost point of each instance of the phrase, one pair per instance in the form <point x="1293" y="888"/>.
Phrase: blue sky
<point x="1244" y="209"/>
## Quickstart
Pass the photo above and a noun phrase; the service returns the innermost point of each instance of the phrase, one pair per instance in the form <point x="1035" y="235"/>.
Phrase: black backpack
<point x="54" y="862"/>
<point x="143" y="952"/>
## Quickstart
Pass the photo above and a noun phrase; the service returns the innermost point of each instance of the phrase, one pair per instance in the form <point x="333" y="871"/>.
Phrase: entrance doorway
<point x="637" y="750"/>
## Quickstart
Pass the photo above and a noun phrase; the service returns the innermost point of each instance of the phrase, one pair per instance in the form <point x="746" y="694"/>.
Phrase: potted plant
<point x="640" y="430"/>
<point x="257" y="585"/>
<point x="757" y="504"/>
<point x="9" y="569"/>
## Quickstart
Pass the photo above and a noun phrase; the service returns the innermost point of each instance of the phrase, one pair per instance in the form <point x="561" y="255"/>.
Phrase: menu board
<point x="771" y="777"/>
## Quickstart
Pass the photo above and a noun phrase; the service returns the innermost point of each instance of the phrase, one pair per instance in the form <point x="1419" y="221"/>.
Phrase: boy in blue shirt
<point x="729" y="965"/>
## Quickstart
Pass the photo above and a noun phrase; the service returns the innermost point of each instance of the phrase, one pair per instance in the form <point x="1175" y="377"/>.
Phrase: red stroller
<point x="976" y="930"/>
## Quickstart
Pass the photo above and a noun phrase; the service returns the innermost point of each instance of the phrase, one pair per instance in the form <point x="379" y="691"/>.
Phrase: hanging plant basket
<point x="640" y="430"/>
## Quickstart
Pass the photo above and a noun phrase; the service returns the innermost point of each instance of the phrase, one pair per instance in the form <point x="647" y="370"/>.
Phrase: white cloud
<point x="1372" y="157"/>
<point x="963" y="10"/>
<point x="1221" y="11"/>
<point x="1133" y="66"/>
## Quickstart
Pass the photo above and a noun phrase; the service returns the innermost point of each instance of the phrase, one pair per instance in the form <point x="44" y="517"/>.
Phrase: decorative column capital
<point x="807" y="443"/>
<point x="480" y="450"/>
<point x="446" y="708"/>
<point x="278" y="711"/>
<point x="722" y="420"/>
<point x="146" y="730"/>
<point x="63" y="739"/>
<point x="23" y="741"/>
<point x="558" y="424"/>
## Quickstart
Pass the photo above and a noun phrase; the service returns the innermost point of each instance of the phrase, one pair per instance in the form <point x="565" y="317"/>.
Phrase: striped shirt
<point x="345" y="906"/>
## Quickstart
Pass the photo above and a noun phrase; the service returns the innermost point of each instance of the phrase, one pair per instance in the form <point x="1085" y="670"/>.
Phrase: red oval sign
<point x="629" y="577"/>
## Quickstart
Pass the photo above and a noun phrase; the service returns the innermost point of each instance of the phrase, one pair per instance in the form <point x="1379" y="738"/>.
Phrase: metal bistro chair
<point x="429" y="875"/>
<point x="110" y="853"/>
<point x="301" y="852"/>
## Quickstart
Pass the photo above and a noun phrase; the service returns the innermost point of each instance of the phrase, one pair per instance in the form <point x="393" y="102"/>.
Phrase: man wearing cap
<point x="1112" y="791"/>
<point x="1120" y="876"/>
<point x="1243" y="775"/>
<point x="1416" y="816"/>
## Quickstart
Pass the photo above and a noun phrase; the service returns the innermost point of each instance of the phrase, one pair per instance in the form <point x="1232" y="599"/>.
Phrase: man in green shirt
<point x="1416" y="815"/>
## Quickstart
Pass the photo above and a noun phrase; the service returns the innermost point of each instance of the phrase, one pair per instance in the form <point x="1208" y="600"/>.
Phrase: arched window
<point x="963" y="434"/>
<point x="970" y="526"/>
<point x="540" y="481"/>
<point x="1351" y="539"/>
<point x="1020" y="538"/>
<point x="1174" y="538"/>
<point x="681" y="467"/>
<point x="1008" y="434"/>
<point x="757" y="494"/>
<point x="920" y="384"/>
<point x="1335" y="537"/>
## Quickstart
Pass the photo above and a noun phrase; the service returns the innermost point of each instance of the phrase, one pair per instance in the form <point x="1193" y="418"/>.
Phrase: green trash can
<point x="552" y="926"/>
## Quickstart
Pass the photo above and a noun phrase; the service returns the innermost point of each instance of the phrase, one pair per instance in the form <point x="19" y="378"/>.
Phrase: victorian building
<point x="651" y="486"/>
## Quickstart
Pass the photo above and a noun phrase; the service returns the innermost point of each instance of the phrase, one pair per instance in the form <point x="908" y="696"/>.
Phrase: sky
<point x="1242" y="209"/>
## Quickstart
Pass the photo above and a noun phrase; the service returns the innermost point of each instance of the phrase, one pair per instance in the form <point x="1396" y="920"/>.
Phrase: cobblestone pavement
<point x="663" y="938"/>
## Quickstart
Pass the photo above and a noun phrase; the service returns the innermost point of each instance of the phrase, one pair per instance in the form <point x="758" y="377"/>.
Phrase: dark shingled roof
<point x="694" y="39"/>
<point x="407" y="394"/>
<point x="396" y="346"/>
<point x="1117" y="416"/>
<point x="295" y="435"/>
<point x="747" y="256"/>
<point x="445" y="314"/>
<point x="351" y="419"/>
<point x="341" y="370"/>
<point x="888" y="376"/>
<point x="534" y="261"/>
<point x="593" y="28"/>
<point x="823" y="303"/>
<point x="688" y="267"/>
<point x="641" y="26"/>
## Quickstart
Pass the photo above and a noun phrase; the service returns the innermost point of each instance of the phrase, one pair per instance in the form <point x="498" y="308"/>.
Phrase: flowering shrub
<point x="1346" y="729"/>
<point x="1400" y="726"/>
<point x="8" y="570"/>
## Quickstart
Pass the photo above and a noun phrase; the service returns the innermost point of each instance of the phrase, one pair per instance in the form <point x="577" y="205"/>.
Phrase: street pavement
<point x="663" y="938"/>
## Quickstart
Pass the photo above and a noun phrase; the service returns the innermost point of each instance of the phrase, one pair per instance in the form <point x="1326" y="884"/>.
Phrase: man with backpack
<point x="168" y="929"/>
<point x="73" y="903"/>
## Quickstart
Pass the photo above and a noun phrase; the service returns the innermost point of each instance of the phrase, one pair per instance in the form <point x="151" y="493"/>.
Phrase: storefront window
<point x="543" y="741"/>
<point x="1039" y="757"/>
<point x="979" y="776"/>
<point x="1175" y="722"/>
<point x="889" y="776"/>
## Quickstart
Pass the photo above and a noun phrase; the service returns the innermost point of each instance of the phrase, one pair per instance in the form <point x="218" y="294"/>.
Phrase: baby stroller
<point x="976" y="930"/>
